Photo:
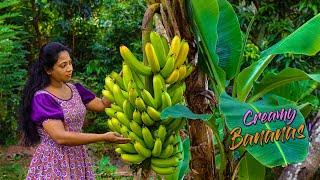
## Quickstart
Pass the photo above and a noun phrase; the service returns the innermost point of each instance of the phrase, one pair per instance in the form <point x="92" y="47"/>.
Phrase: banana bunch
<point x="135" y="111"/>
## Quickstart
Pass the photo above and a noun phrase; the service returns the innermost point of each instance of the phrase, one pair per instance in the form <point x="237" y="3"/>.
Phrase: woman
<point x="52" y="113"/>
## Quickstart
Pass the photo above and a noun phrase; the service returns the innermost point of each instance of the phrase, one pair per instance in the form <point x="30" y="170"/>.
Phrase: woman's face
<point x="62" y="69"/>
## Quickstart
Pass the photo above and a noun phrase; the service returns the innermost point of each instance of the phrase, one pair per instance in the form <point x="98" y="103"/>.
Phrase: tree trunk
<point x="307" y="169"/>
<point x="202" y="152"/>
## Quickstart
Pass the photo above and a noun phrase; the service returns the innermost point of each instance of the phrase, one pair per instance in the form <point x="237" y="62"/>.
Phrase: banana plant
<point x="220" y="44"/>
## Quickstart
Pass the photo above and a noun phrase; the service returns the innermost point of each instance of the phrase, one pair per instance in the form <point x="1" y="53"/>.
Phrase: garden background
<point x="94" y="30"/>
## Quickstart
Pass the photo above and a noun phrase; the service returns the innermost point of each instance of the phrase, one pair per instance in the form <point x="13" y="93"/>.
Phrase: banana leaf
<point x="273" y="81"/>
<point x="181" y="111"/>
<point x="305" y="40"/>
<point x="269" y="154"/>
<point x="251" y="169"/>
<point x="204" y="15"/>
<point x="230" y="41"/>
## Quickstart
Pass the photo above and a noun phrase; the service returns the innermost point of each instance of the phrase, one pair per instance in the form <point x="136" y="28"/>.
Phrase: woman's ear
<point x="49" y="71"/>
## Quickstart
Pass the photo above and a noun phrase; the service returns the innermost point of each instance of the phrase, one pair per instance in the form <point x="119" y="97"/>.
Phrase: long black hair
<point x="38" y="79"/>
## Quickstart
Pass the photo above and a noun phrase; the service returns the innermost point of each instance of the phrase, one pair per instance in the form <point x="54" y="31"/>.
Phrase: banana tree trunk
<point x="202" y="164"/>
<point x="308" y="168"/>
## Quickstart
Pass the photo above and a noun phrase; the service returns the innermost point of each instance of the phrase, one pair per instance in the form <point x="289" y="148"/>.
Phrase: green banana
<point x="178" y="95"/>
<point x="159" y="47"/>
<point x="182" y="72"/>
<point x="123" y="119"/>
<point x="119" y="97"/>
<point x="173" y="77"/>
<point x="119" y="151"/>
<point x="163" y="170"/>
<point x="137" y="116"/>
<point x="128" y="148"/>
<point x="147" y="137"/>
<point x="116" y="107"/>
<point x="108" y="94"/>
<point x="157" y="89"/>
<point x="125" y="131"/>
<point x="183" y="53"/>
<point x="153" y="113"/>
<point x="116" y="124"/>
<point x="152" y="58"/>
<point x="169" y="140"/>
<point x="140" y="104"/>
<point x="168" y="67"/>
<point x="118" y="79"/>
<point x="167" y="152"/>
<point x="189" y="70"/>
<point x="147" y="97"/>
<point x="162" y="132"/>
<point x="146" y="119"/>
<point x="174" y="124"/>
<point x="109" y="83"/>
<point x="134" y="137"/>
<point x="168" y="162"/>
<point x="127" y="75"/>
<point x="156" y="151"/>
<point x="142" y="150"/>
<point x="127" y="109"/>
<point x="165" y="44"/>
<point x="132" y="158"/>
<point x="136" y="128"/>
<point x="110" y="112"/>
<point x="110" y="126"/>
<point x="138" y="80"/>
<point x="133" y="62"/>
<point x="175" y="47"/>
<point x="133" y="94"/>
<point x="166" y="100"/>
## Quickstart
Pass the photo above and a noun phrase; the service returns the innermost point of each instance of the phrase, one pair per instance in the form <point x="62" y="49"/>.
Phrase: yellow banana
<point x="167" y="152"/>
<point x="168" y="67"/>
<point x="152" y="58"/>
<point x="133" y="62"/>
<point x="123" y="119"/>
<point x="159" y="47"/>
<point x="119" y="151"/>
<point x="117" y="78"/>
<point x="147" y="97"/>
<point x="142" y="150"/>
<point x="157" y="89"/>
<point x="132" y="158"/>
<point x="125" y="131"/>
<point x="108" y="95"/>
<point x="163" y="170"/>
<point x="127" y="109"/>
<point x="168" y="162"/>
<point x="110" y="112"/>
<point x="136" y="128"/>
<point x="110" y="126"/>
<point x="166" y="100"/>
<point x="137" y="116"/>
<point x="183" y="53"/>
<point x="119" y="98"/>
<point x="109" y="83"/>
<point x="182" y="72"/>
<point x="162" y="132"/>
<point x="133" y="94"/>
<point x="147" y="137"/>
<point x="156" y="151"/>
<point x="146" y="119"/>
<point x="175" y="47"/>
<point x="140" y="104"/>
<point x="128" y="148"/>
<point x="116" y="107"/>
<point x="153" y="113"/>
<point x="127" y="75"/>
<point x="173" y="77"/>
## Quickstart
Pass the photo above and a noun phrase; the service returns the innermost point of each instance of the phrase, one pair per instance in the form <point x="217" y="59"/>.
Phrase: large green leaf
<point x="273" y="81"/>
<point x="229" y="43"/>
<point x="181" y="111"/>
<point x="273" y="153"/>
<point x="251" y="169"/>
<point x="305" y="40"/>
<point x="204" y="15"/>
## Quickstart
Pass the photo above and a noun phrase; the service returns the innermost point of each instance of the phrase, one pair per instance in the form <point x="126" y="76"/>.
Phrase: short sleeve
<point x="85" y="94"/>
<point x="45" y="107"/>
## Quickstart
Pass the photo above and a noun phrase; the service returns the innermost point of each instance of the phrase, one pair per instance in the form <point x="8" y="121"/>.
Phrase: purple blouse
<point x="45" y="107"/>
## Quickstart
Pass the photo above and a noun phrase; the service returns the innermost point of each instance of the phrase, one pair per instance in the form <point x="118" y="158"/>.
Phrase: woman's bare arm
<point x="57" y="132"/>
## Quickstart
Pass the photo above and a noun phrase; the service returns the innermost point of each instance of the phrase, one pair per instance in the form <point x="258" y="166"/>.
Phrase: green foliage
<point x="12" y="69"/>
<point x="104" y="169"/>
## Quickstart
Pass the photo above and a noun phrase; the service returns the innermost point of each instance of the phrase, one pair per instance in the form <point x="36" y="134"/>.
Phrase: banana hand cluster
<point x="135" y="111"/>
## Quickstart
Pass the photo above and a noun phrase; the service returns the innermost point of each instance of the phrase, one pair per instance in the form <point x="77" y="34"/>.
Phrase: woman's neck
<point x="56" y="84"/>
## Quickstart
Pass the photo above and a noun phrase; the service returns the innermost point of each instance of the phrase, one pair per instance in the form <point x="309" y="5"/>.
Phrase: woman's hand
<point x="114" y="137"/>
